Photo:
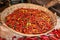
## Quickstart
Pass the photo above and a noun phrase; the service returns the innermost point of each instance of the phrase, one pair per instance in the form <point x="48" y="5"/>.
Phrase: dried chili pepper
<point x="25" y="20"/>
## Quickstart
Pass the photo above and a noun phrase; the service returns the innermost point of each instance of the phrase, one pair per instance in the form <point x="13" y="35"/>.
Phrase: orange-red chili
<point x="29" y="21"/>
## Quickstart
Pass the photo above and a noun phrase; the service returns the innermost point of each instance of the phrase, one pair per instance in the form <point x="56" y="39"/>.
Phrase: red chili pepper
<point x="44" y="37"/>
<point x="31" y="38"/>
<point x="56" y="33"/>
<point x="21" y="38"/>
<point x="53" y="37"/>
<point x="13" y="37"/>
<point x="58" y="30"/>
<point x="1" y="38"/>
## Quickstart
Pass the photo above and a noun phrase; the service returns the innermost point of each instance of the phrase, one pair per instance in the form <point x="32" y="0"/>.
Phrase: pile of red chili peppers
<point x="29" y="21"/>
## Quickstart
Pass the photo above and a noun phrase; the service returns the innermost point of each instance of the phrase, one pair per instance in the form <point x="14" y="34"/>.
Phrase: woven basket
<point x="9" y="10"/>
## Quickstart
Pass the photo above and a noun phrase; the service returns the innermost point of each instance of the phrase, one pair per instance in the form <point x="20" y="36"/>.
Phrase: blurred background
<point x="53" y="5"/>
